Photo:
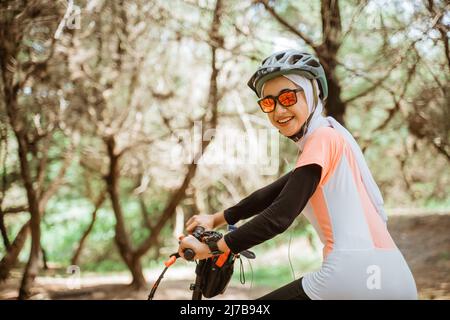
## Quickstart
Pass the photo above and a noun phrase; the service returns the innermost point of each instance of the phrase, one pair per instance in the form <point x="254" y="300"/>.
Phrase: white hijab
<point x="318" y="120"/>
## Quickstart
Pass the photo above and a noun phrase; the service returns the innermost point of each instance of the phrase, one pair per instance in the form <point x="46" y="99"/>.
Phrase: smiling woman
<point x="290" y="110"/>
<point x="331" y="184"/>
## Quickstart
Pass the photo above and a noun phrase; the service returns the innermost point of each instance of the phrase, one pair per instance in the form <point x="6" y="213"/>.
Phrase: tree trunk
<point x="44" y="258"/>
<point x="4" y="232"/>
<point x="121" y="237"/>
<point x="335" y="107"/>
<point x="10" y="258"/>
<point x="32" y="267"/>
<point x="331" y="36"/>
<point x="35" y="220"/>
<point x="135" y="267"/>
<point x="33" y="205"/>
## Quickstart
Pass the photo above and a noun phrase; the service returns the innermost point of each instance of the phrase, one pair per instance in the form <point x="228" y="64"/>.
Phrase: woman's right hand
<point x="204" y="220"/>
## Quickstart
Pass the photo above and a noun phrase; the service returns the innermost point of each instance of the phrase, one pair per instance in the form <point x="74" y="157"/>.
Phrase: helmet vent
<point x="280" y="56"/>
<point x="312" y="63"/>
<point x="296" y="57"/>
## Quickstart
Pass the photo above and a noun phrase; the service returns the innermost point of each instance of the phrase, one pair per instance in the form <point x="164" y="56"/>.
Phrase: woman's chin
<point x="290" y="128"/>
<point x="289" y="131"/>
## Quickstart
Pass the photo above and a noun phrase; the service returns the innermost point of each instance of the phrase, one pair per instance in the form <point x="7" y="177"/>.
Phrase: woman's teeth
<point x="285" y="120"/>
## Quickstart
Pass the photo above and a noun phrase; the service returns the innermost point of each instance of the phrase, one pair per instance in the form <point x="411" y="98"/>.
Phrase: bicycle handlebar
<point x="188" y="253"/>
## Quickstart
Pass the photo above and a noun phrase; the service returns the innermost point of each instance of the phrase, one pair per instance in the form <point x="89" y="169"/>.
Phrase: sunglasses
<point x="287" y="98"/>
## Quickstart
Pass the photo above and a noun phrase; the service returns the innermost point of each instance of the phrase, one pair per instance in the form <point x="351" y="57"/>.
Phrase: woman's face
<point x="288" y="120"/>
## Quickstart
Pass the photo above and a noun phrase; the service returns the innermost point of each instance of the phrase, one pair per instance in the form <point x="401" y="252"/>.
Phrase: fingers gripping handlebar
<point x="188" y="253"/>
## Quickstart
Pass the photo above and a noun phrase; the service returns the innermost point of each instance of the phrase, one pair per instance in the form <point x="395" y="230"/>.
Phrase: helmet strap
<point x="300" y="133"/>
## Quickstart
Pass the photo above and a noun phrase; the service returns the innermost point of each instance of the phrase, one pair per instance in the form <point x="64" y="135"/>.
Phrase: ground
<point x="425" y="243"/>
<point x="423" y="239"/>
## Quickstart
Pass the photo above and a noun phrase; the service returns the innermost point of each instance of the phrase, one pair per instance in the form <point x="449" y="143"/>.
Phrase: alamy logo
<point x="229" y="148"/>
<point x="373" y="281"/>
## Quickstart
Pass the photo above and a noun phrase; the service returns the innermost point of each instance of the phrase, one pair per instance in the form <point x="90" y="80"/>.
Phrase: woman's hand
<point x="203" y="220"/>
<point x="201" y="249"/>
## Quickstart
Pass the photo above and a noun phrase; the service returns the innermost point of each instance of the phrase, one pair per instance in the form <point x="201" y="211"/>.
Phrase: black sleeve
<point x="277" y="217"/>
<point x="255" y="202"/>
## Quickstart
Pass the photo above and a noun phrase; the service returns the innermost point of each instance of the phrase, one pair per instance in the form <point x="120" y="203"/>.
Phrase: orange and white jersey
<point x="361" y="261"/>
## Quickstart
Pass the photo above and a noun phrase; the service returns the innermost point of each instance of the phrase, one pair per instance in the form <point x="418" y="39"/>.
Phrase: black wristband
<point x="214" y="248"/>
<point x="211" y="238"/>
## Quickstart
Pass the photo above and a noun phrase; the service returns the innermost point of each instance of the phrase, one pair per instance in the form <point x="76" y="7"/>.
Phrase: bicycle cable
<point x="293" y="226"/>
<point x="251" y="281"/>
<point x="289" y="254"/>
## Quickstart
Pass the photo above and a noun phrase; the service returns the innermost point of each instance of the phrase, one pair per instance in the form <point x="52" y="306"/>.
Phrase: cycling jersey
<point x="360" y="259"/>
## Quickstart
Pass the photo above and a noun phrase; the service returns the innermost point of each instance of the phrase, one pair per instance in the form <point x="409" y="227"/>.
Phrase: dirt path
<point x="424" y="241"/>
<point x="168" y="290"/>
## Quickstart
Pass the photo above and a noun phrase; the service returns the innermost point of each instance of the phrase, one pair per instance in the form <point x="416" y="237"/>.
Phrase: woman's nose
<point x="279" y="109"/>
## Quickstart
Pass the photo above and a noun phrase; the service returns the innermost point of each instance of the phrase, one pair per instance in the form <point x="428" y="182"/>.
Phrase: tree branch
<point x="379" y="82"/>
<point x="53" y="187"/>
<point x="287" y="25"/>
<point x="17" y="209"/>
<point x="396" y="107"/>
<point x="355" y="15"/>
<point x="98" y="204"/>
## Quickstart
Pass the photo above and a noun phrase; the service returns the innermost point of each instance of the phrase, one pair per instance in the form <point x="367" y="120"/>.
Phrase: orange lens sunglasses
<point x="287" y="98"/>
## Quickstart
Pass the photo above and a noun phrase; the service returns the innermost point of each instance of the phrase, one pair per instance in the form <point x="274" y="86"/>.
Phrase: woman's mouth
<point x="284" y="121"/>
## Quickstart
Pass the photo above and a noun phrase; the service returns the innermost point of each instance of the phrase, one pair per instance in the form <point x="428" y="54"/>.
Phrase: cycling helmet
<point x="289" y="61"/>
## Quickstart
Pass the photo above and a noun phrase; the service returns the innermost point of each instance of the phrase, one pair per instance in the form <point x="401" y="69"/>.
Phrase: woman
<point x="331" y="184"/>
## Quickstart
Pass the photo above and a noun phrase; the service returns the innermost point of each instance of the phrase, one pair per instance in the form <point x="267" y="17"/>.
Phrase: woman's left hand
<point x="201" y="249"/>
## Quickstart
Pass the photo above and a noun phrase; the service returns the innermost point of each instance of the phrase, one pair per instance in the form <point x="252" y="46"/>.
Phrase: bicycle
<point x="212" y="275"/>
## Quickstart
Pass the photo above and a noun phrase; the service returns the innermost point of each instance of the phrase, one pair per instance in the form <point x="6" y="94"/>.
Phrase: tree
<point x="34" y="130"/>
